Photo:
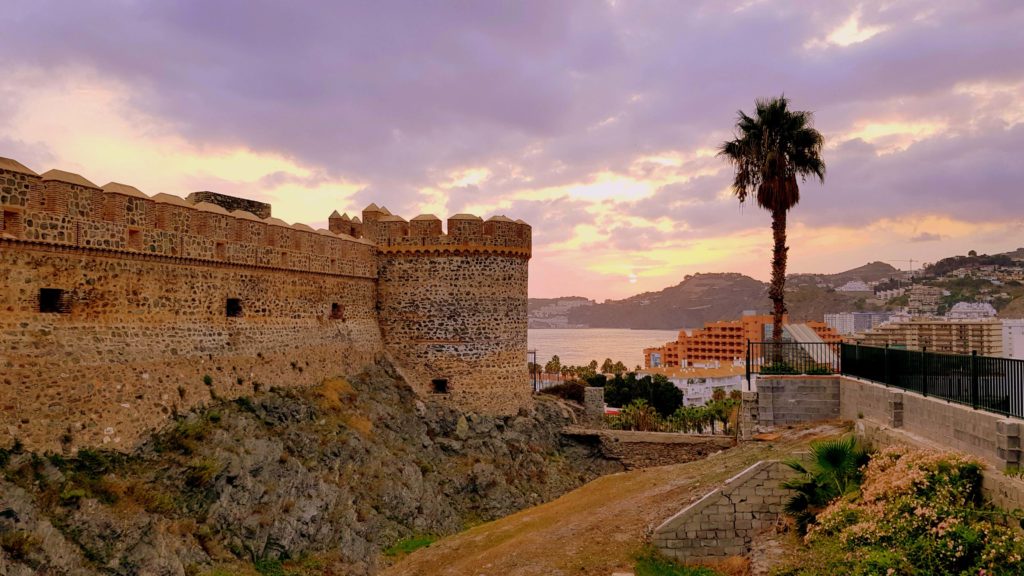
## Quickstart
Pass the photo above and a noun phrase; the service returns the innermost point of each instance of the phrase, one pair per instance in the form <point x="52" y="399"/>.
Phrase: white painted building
<point x="1013" y="338"/>
<point x="846" y="323"/>
<point x="842" y="322"/>
<point x="854" y="286"/>
<point x="699" y="383"/>
<point x="971" y="311"/>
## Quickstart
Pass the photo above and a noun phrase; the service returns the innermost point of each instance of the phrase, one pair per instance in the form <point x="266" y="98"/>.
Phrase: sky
<point x="597" y="122"/>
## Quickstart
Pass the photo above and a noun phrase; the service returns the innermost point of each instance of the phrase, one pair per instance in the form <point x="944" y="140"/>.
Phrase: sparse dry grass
<point x="360" y="424"/>
<point x="599" y="528"/>
<point x="333" y="392"/>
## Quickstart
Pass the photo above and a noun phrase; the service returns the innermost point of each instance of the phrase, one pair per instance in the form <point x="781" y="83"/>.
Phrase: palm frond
<point x="771" y="149"/>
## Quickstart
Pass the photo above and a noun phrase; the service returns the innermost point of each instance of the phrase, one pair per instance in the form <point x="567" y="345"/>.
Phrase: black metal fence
<point x="984" y="382"/>
<point x="792" y="358"/>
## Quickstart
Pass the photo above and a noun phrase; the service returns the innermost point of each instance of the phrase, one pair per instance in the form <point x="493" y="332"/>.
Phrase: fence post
<point x="748" y="365"/>
<point x="974" y="379"/>
<point x="924" y="371"/>
<point x="885" y="365"/>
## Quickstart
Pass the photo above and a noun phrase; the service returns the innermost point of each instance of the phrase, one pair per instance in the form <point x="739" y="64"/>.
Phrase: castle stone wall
<point x="118" y="309"/>
<point x="139" y="334"/>
<point x="460" y="318"/>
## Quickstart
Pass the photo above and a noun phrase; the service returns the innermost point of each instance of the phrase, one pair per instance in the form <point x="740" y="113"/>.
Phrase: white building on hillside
<point x="971" y="311"/>
<point x="854" y="286"/>
<point x="1013" y="339"/>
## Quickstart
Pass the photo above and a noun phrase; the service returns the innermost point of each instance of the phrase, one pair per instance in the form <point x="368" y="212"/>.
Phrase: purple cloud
<point x="400" y="94"/>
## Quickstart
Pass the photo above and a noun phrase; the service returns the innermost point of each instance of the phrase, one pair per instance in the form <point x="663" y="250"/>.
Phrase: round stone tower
<point x="452" y="307"/>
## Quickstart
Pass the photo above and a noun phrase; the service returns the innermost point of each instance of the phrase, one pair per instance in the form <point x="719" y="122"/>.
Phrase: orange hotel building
<point x="724" y="341"/>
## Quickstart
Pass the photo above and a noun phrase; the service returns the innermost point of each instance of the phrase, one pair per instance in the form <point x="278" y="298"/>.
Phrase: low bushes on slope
<point x="917" y="512"/>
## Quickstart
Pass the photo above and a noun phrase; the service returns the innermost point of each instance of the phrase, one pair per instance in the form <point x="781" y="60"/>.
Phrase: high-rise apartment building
<point x="1013" y="338"/>
<point x="953" y="336"/>
<point x="721" y="342"/>
<point x="846" y="323"/>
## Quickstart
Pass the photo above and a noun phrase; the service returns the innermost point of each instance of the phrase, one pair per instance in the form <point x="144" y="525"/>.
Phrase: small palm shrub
<point x="834" y="471"/>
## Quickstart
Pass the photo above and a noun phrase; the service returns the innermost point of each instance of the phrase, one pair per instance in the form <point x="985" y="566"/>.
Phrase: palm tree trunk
<point x="778" y="286"/>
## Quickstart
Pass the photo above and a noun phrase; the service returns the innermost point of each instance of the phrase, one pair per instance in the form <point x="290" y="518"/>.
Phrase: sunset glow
<point x="597" y="123"/>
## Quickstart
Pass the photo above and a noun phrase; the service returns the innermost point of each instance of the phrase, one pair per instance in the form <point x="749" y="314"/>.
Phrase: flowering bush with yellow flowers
<point x="917" y="512"/>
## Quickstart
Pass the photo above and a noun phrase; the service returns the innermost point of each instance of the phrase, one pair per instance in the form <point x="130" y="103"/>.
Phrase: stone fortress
<point x="118" y="309"/>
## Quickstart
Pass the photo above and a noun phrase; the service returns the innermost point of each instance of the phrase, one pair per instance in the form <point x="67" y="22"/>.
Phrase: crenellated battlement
<point x="66" y="209"/>
<point x="467" y="233"/>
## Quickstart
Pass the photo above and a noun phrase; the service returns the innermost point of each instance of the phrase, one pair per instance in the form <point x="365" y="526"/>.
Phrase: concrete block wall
<point x="724" y="522"/>
<point x="791" y="399"/>
<point x="991" y="437"/>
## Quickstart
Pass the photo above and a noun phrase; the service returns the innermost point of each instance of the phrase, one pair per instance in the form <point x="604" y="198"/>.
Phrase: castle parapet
<point x="466" y="233"/>
<point x="425" y="225"/>
<point x="63" y="208"/>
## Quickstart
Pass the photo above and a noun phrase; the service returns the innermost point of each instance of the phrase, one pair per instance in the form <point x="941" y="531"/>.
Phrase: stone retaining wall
<point x="724" y="522"/>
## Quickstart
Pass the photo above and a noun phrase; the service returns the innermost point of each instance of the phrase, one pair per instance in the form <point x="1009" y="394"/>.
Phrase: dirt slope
<point x="595" y="529"/>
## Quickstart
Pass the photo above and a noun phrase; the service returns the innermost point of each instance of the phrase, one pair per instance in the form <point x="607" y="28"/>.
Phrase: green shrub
<point x="918" y="512"/>
<point x="270" y="567"/>
<point x="185" y="437"/>
<point x="778" y="368"/>
<point x="201" y="472"/>
<point x="71" y="497"/>
<point x="207" y="379"/>
<point x="245" y="403"/>
<point x="409" y="545"/>
<point x="573" y="391"/>
<point x="638" y="415"/>
<point x="657" y="391"/>
<point x="651" y="563"/>
<point x="19" y="544"/>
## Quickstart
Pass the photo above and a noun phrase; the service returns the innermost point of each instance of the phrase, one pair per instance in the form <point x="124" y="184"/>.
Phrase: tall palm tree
<point x="771" y="149"/>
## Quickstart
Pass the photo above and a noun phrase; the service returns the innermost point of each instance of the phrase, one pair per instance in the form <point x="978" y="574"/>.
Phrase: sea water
<point x="578" y="346"/>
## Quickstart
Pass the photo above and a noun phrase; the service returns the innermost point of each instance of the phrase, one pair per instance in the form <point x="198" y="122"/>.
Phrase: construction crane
<point x="910" y="261"/>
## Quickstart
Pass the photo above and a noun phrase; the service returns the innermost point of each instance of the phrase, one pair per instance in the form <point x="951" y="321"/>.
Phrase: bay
<point x="578" y="346"/>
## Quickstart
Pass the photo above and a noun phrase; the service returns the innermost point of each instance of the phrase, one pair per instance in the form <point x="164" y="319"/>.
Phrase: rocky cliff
<point x="318" y="481"/>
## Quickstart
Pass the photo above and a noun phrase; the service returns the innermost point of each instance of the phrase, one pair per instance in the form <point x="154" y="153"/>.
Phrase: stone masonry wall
<point x="461" y="318"/>
<point x="724" y="522"/>
<point x="139" y="334"/>
<point x="116" y="307"/>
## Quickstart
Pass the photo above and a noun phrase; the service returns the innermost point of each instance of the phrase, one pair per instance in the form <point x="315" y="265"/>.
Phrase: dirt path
<point x="596" y="529"/>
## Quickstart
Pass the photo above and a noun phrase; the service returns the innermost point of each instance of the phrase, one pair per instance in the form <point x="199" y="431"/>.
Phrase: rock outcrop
<point x="330" y="475"/>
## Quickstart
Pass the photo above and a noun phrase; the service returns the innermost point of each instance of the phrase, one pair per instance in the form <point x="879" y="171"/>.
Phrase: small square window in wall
<point x="221" y="251"/>
<point x="10" y="223"/>
<point x="337" y="311"/>
<point x="233" y="308"/>
<point x="439" y="385"/>
<point x="52" y="301"/>
<point x="135" y="240"/>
